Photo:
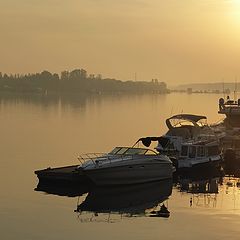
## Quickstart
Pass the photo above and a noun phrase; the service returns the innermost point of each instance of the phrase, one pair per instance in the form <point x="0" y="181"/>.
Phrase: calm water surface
<point x="37" y="132"/>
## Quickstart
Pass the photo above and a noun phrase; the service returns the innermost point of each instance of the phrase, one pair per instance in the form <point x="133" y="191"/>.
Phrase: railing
<point x="97" y="158"/>
<point x="91" y="156"/>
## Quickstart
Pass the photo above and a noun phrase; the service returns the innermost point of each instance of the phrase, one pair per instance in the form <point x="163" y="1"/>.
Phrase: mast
<point x="223" y="90"/>
<point x="235" y="90"/>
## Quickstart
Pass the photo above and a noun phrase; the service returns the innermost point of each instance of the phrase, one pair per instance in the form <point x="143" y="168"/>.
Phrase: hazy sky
<point x="176" y="41"/>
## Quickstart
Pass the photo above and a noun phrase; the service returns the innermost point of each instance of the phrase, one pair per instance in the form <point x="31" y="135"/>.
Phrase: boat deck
<point x="61" y="174"/>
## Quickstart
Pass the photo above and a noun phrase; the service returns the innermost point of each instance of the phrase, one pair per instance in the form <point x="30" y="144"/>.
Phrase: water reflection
<point x="67" y="100"/>
<point x="202" y="192"/>
<point x="111" y="204"/>
<point x="132" y="200"/>
<point x="45" y="101"/>
<point x="63" y="189"/>
<point x="199" y="186"/>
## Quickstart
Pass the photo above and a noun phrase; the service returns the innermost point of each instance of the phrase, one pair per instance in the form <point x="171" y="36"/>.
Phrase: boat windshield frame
<point x="132" y="151"/>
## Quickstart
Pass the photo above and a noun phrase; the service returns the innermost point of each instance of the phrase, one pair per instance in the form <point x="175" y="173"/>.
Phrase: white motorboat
<point x="126" y="165"/>
<point x="183" y="128"/>
<point x="199" y="153"/>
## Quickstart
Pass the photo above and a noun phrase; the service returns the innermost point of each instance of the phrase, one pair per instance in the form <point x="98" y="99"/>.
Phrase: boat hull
<point x="68" y="174"/>
<point x="196" y="162"/>
<point x="133" y="174"/>
<point x="200" y="171"/>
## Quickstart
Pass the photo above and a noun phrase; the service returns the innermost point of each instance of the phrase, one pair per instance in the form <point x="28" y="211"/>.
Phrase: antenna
<point x="235" y="90"/>
<point x="172" y="111"/>
<point x="135" y="76"/>
<point x="223" y="90"/>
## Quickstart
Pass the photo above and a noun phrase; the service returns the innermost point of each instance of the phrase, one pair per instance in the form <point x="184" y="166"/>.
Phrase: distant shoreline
<point x="76" y="81"/>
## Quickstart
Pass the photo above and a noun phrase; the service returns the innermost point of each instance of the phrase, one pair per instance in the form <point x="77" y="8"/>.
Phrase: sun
<point x="235" y="5"/>
<point x="235" y="11"/>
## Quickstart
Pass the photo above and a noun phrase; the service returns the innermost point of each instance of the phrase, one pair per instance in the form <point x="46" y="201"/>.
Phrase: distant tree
<point x="99" y="76"/>
<point x="45" y="75"/>
<point x="5" y="76"/>
<point x="55" y="76"/>
<point x="83" y="74"/>
<point x="75" y="74"/>
<point x="91" y="76"/>
<point x="78" y="74"/>
<point x="64" y="75"/>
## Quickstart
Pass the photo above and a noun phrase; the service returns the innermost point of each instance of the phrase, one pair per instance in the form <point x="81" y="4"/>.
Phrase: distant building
<point x="189" y="90"/>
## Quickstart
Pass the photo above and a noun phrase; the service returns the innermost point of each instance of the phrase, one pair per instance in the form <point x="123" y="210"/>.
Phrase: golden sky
<point x="177" y="41"/>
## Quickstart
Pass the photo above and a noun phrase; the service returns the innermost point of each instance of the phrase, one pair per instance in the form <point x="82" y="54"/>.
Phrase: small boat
<point x="127" y="165"/>
<point x="199" y="154"/>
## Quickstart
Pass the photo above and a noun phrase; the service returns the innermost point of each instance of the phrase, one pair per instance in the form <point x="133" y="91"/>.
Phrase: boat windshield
<point x="131" y="151"/>
<point x="115" y="150"/>
<point x="134" y="151"/>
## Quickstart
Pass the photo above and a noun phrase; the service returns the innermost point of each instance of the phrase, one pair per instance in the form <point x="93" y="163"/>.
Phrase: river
<point x="41" y="131"/>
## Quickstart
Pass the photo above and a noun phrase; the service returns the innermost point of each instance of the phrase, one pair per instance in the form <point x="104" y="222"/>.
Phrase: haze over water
<point x="37" y="132"/>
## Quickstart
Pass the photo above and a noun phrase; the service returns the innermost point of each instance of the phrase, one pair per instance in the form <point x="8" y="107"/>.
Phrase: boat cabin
<point x="199" y="150"/>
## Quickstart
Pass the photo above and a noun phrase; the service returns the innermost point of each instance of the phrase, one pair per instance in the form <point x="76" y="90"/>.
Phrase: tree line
<point x="75" y="81"/>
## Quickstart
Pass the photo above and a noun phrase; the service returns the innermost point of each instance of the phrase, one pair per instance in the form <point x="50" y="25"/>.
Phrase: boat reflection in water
<point x="202" y="192"/>
<point x="128" y="201"/>
<point x="113" y="203"/>
<point x="63" y="188"/>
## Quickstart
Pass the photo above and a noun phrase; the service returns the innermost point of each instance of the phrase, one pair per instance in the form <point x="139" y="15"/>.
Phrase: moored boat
<point x="128" y="165"/>
<point x="123" y="165"/>
<point x="183" y="128"/>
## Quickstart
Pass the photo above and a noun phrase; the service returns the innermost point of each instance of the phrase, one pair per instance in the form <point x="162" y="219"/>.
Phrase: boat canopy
<point x="146" y="141"/>
<point x="192" y="119"/>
